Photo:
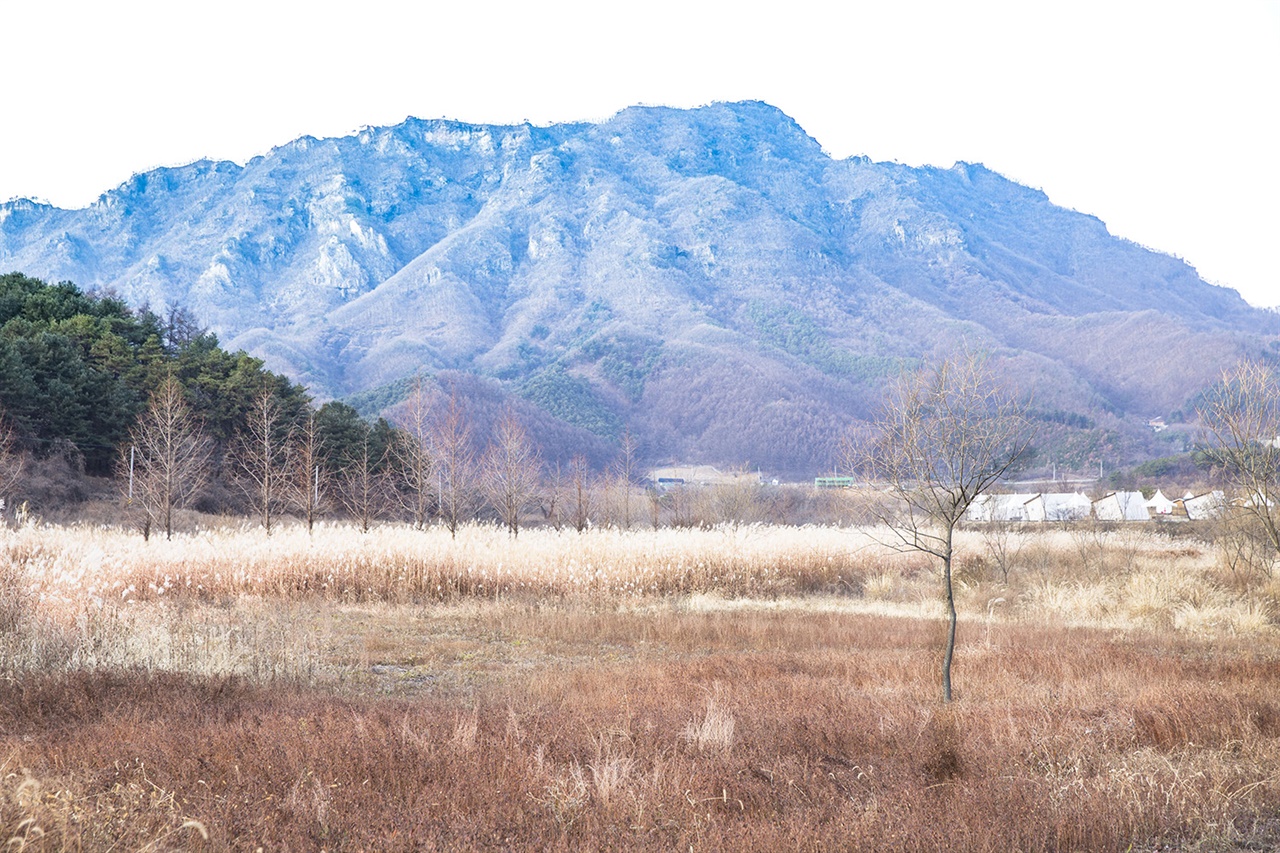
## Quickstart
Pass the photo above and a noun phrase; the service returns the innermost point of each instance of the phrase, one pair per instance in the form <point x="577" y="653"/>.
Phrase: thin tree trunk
<point x="951" y="620"/>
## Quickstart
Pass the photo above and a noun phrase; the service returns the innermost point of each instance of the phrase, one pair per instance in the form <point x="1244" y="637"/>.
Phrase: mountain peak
<point x="708" y="276"/>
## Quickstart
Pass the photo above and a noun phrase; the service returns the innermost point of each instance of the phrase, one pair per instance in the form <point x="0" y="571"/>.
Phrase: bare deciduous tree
<point x="1241" y="417"/>
<point x="511" y="471"/>
<point x="307" y="480"/>
<point x="414" y="457"/>
<point x="554" y="488"/>
<point x="736" y="502"/>
<point x="362" y="486"/>
<point x="260" y="457"/>
<point x="947" y="435"/>
<point x="625" y="469"/>
<point x="655" y="507"/>
<point x="1004" y="546"/>
<point x="580" y="486"/>
<point x="455" y="462"/>
<point x="168" y="457"/>
<point x="11" y="463"/>
<point x="683" y="504"/>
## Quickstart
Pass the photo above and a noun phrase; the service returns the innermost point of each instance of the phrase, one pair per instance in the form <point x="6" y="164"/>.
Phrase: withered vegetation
<point x="542" y="719"/>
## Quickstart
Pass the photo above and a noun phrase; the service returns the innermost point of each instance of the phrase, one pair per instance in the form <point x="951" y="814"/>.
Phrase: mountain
<point x="709" y="277"/>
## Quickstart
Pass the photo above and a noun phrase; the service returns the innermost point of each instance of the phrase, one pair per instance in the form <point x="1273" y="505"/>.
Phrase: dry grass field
<point x="752" y="687"/>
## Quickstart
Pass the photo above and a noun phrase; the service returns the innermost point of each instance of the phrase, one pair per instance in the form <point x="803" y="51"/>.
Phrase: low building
<point x="833" y="482"/>
<point x="698" y="475"/>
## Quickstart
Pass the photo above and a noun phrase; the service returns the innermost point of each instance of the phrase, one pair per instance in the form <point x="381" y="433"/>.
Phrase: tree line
<point x="156" y="404"/>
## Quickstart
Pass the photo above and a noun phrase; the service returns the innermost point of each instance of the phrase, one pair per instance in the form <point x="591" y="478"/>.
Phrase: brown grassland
<point x="738" y="688"/>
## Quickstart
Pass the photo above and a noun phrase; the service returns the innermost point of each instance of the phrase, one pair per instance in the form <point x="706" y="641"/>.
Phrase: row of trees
<point x="426" y="468"/>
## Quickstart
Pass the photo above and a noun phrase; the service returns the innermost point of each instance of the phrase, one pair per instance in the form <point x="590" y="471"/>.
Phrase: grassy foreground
<point x="720" y="690"/>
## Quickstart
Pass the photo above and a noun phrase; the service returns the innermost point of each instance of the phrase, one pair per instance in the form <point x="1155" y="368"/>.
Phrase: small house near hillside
<point x="833" y="482"/>
<point x="1121" y="506"/>
<point x="1159" y="506"/>
<point x="1059" y="506"/>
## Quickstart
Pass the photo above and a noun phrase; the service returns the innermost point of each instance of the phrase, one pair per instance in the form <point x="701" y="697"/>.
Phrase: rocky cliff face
<point x="709" y="276"/>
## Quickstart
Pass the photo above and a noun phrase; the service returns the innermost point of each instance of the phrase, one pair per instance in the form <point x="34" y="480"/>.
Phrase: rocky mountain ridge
<point x="709" y="277"/>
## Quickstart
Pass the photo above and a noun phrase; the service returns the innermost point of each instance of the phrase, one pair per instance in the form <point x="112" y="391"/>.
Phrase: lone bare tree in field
<point x="947" y="435"/>
<point x="168" y="457"/>
<point x="260" y="457"/>
<point x="511" y="471"/>
<point x="1241" y="417"/>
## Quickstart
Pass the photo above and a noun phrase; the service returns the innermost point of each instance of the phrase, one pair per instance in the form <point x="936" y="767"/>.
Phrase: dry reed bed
<point x="397" y="564"/>
<point x="717" y="731"/>
<point x="1117" y="578"/>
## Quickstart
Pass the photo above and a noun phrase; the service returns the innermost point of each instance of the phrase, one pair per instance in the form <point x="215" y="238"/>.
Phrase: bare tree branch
<point x="947" y="435"/>
<point x="260" y="457"/>
<point x="511" y="471"/>
<point x="414" y="455"/>
<point x="168" y="457"/>
<point x="1241" y="419"/>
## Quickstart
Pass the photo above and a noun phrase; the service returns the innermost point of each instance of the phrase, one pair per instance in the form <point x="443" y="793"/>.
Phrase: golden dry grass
<point x="725" y="689"/>
<point x="1119" y="578"/>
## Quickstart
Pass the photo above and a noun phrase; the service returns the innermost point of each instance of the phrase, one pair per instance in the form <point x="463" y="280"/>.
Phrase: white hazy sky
<point x="1161" y="118"/>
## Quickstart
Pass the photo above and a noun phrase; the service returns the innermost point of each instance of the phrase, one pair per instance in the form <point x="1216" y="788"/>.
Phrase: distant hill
<point x="709" y="277"/>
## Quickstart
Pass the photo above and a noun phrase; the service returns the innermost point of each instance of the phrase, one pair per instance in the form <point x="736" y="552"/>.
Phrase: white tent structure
<point x="1121" y="506"/>
<point x="1207" y="505"/>
<point x="998" y="508"/>
<point x="1159" y="505"/>
<point x="1058" y="506"/>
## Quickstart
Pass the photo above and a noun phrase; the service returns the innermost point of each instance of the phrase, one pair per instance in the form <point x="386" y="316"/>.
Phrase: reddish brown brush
<point x="670" y="730"/>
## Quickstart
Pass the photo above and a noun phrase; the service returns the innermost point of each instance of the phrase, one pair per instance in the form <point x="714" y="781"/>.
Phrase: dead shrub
<point x="712" y="733"/>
